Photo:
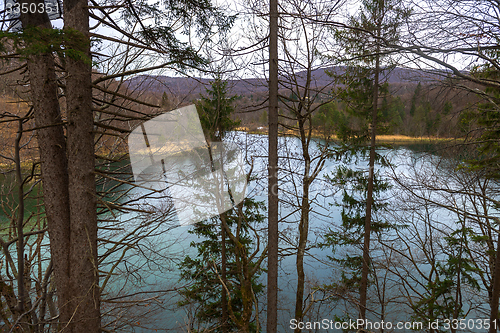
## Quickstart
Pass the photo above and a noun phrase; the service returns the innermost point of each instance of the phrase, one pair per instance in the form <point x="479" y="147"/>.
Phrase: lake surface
<point x="149" y="268"/>
<point x="325" y="214"/>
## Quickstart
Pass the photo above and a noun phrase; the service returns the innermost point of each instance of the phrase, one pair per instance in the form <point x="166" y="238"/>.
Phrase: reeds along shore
<point x="388" y="139"/>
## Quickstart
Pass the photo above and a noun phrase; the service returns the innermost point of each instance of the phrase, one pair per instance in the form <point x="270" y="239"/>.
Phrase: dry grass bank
<point x="387" y="139"/>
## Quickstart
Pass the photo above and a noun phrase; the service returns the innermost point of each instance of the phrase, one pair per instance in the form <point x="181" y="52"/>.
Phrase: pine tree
<point x="225" y="271"/>
<point x="215" y="110"/>
<point x="375" y="21"/>
<point x="485" y="163"/>
<point x="204" y="271"/>
<point x="415" y="99"/>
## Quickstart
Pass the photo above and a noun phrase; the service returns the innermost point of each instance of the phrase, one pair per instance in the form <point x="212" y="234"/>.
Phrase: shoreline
<point x="381" y="139"/>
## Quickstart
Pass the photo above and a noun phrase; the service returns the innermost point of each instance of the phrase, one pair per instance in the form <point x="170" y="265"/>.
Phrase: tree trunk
<point x="81" y="164"/>
<point x="303" y="226"/>
<point x="223" y="268"/>
<point x="223" y="225"/>
<point x="495" y="291"/>
<point x="272" y="259"/>
<point x="54" y="165"/>
<point x="303" y="234"/>
<point x="363" y="288"/>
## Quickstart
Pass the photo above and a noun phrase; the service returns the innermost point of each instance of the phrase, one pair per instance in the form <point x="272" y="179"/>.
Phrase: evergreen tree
<point x="348" y="237"/>
<point x="396" y="115"/>
<point x="486" y="121"/>
<point x="215" y="110"/>
<point x="225" y="271"/>
<point x="329" y="119"/>
<point x="415" y="99"/>
<point x="204" y="271"/>
<point x="442" y="298"/>
<point x="361" y="90"/>
<point x="263" y="117"/>
<point x="67" y="144"/>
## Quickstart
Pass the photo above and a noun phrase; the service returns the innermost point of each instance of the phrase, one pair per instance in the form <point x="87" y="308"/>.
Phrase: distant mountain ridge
<point x="189" y="86"/>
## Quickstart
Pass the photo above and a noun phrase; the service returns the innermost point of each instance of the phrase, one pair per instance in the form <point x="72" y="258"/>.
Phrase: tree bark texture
<point x="272" y="260"/>
<point x="303" y="224"/>
<point x="495" y="291"/>
<point x="363" y="289"/>
<point x="54" y="164"/>
<point x="81" y="164"/>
